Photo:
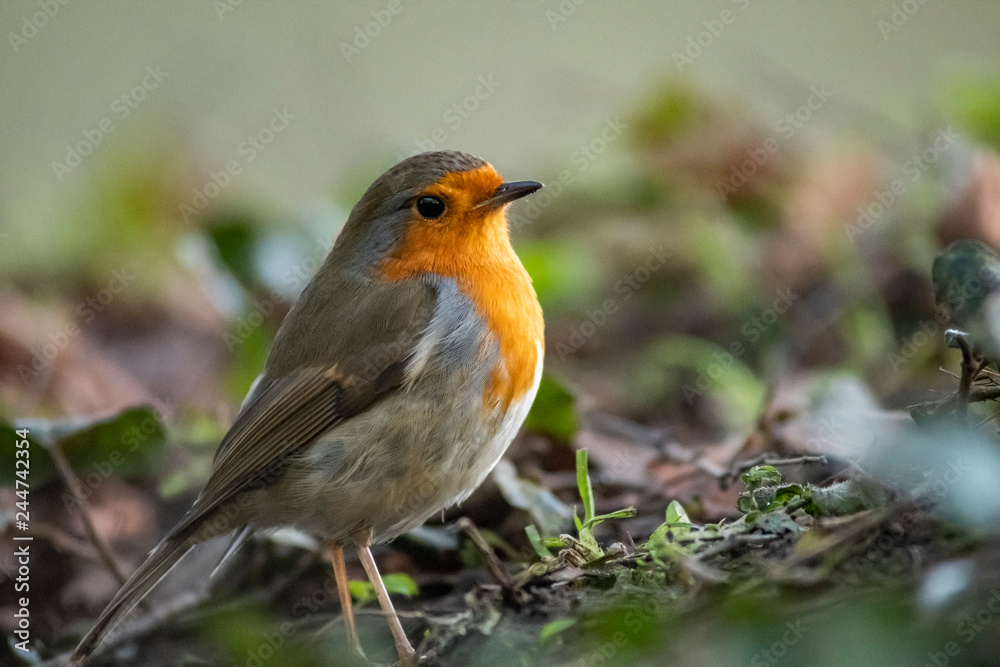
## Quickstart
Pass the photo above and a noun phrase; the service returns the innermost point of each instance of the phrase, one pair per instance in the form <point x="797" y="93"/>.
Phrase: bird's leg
<point x="362" y="541"/>
<point x="335" y="552"/>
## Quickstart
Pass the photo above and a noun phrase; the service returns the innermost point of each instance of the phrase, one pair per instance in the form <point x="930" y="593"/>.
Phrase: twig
<point x="971" y="366"/>
<point x="494" y="565"/>
<point x="733" y="541"/>
<point x="861" y="525"/>
<point x="64" y="542"/>
<point x="76" y="489"/>
<point x="984" y="394"/>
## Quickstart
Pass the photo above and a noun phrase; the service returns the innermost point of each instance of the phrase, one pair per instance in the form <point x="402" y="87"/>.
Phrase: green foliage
<point x="553" y="628"/>
<point x="252" y="635"/>
<point x="235" y="238"/>
<point x="562" y="273"/>
<point x="668" y="114"/>
<point x="399" y="583"/>
<point x="584" y="548"/>
<point x="591" y="548"/>
<point x="249" y="344"/>
<point x="554" y="411"/>
<point x="974" y="101"/>
<point x="765" y="494"/>
<point x="661" y="543"/>
<point x="711" y="371"/>
<point x="536" y="542"/>
<point x="127" y="445"/>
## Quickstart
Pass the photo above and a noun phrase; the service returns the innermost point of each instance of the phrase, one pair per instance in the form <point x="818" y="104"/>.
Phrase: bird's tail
<point x="162" y="558"/>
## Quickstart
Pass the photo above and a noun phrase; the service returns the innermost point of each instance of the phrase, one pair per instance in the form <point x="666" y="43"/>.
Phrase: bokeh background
<point x="743" y="200"/>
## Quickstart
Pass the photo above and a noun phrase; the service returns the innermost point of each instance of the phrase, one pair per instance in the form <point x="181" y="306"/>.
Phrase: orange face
<point x="461" y="232"/>
<point x="469" y="242"/>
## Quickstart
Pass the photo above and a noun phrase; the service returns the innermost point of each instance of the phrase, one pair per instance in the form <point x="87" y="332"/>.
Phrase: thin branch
<point x="64" y="542"/>
<point x="494" y="565"/>
<point x="984" y="394"/>
<point x="76" y="489"/>
<point x="971" y="366"/>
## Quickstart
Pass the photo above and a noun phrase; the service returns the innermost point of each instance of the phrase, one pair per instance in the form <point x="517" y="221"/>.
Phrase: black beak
<point x="508" y="192"/>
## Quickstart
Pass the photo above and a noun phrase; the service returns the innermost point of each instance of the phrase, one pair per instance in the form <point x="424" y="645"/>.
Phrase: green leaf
<point x="583" y="484"/>
<point x="670" y="113"/>
<point x="847" y="497"/>
<point x="554" y="411"/>
<point x="552" y="628"/>
<point x="401" y="584"/>
<point x="361" y="591"/>
<point x="249" y="342"/>
<point x="235" y="238"/>
<point x="536" y="542"/>
<point x="676" y="513"/>
<point x="626" y="513"/>
<point x="761" y="475"/>
<point x="561" y="271"/>
<point x="126" y="445"/>
<point x="974" y="101"/>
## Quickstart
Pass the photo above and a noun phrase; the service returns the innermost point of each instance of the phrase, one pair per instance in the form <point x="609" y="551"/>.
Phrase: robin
<point x="394" y="385"/>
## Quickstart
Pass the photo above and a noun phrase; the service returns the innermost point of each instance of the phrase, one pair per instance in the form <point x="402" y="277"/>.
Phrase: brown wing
<point x="343" y="375"/>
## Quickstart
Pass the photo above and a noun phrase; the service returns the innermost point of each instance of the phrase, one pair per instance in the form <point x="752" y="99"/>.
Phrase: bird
<point x="966" y="279"/>
<point x="393" y="386"/>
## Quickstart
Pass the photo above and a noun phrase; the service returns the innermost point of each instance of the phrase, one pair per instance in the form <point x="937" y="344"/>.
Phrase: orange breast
<point x="472" y="246"/>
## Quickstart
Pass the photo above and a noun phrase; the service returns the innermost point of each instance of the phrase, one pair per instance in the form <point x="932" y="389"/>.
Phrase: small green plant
<point x="584" y="548"/>
<point x="765" y="494"/>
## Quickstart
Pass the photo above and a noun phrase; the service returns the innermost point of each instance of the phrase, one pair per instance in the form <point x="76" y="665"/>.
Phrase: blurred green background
<point x="559" y="79"/>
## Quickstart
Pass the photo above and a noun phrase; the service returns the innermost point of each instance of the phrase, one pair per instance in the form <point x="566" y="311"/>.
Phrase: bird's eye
<point x="430" y="207"/>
